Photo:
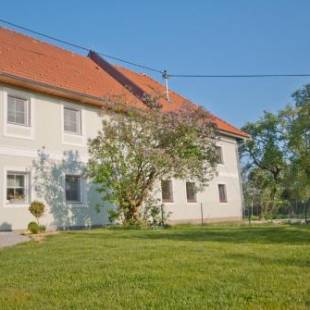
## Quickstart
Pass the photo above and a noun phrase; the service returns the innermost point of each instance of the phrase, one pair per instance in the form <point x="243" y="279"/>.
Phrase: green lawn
<point x="185" y="267"/>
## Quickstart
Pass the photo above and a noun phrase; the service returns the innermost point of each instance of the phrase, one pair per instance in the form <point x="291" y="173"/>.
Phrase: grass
<point x="185" y="267"/>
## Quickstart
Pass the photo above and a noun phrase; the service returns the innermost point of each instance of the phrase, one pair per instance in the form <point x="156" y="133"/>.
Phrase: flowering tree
<point x="136" y="148"/>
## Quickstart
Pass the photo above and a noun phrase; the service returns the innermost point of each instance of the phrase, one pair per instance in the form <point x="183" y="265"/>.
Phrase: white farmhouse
<point x="51" y="103"/>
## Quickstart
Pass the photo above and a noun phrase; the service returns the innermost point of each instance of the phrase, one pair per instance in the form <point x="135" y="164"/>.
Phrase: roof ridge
<point x="158" y="83"/>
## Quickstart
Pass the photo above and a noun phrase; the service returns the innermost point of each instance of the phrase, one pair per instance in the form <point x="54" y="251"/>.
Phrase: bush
<point x="37" y="209"/>
<point x="33" y="227"/>
<point x="42" y="228"/>
<point x="154" y="213"/>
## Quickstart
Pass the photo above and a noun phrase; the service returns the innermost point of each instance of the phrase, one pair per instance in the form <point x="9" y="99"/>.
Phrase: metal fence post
<point x="162" y="214"/>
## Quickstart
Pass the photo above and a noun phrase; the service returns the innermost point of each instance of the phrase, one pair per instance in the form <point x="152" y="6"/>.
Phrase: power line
<point x="237" y="75"/>
<point x="164" y="73"/>
<point x="78" y="46"/>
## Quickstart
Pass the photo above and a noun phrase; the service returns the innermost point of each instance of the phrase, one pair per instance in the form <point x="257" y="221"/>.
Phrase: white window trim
<point x="7" y="169"/>
<point x="83" y="194"/>
<point x="65" y="134"/>
<point x="6" y="125"/>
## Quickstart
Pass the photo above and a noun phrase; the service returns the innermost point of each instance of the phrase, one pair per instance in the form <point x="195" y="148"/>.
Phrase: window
<point x="72" y="121"/>
<point x="191" y="192"/>
<point x="166" y="191"/>
<point x="219" y="155"/>
<point x="73" y="188"/>
<point x="16" y="191"/>
<point x="18" y="111"/>
<point x="222" y="192"/>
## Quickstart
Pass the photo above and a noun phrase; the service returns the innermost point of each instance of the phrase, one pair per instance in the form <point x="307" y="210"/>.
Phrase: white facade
<point x="44" y="129"/>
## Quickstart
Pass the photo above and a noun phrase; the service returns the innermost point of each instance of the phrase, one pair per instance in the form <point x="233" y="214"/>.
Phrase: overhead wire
<point x="164" y="73"/>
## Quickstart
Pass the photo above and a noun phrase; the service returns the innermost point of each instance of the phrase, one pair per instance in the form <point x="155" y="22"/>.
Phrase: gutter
<point x="227" y="133"/>
<point x="49" y="89"/>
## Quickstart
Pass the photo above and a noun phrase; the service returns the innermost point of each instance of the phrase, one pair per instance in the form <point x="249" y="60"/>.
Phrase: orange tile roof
<point x="38" y="61"/>
<point x="28" y="58"/>
<point x="154" y="88"/>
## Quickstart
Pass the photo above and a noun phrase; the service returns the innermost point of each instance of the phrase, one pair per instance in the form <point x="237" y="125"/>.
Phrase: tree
<point x="265" y="156"/>
<point x="296" y="121"/>
<point x="135" y="149"/>
<point x="37" y="208"/>
<point x="277" y="158"/>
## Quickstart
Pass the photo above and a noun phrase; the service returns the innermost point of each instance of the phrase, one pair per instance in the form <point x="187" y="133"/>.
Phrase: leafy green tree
<point x="296" y="124"/>
<point x="265" y="157"/>
<point x="136" y="149"/>
<point x="277" y="158"/>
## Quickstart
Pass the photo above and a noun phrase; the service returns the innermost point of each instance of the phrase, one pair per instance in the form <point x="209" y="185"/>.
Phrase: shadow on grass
<point x="264" y="235"/>
<point x="286" y="234"/>
<point x="261" y="260"/>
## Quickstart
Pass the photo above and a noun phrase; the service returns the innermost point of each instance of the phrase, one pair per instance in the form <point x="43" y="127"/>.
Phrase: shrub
<point x="42" y="228"/>
<point x="33" y="227"/>
<point x="37" y="209"/>
<point x="154" y="213"/>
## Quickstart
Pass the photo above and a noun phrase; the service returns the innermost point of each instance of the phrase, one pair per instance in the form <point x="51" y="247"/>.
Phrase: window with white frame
<point x="73" y="188"/>
<point x="219" y="155"/>
<point x="222" y="192"/>
<point x="191" y="192"/>
<point x="18" y="111"/>
<point x="17" y="187"/>
<point x="166" y="191"/>
<point x="72" y="121"/>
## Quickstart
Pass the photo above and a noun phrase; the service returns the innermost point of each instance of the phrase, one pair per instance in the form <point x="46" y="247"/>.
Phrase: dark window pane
<point x="191" y="192"/>
<point x="20" y="194"/>
<point x="19" y="180"/>
<point x="73" y="188"/>
<point x="166" y="190"/>
<point x="222" y="193"/>
<point x="72" y="121"/>
<point x="219" y="155"/>
<point x="10" y="194"/>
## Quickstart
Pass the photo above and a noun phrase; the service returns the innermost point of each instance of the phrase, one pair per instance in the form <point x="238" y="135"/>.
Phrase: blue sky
<point x="204" y="37"/>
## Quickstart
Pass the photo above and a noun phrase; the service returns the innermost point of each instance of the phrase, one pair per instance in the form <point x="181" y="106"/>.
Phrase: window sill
<point x="76" y="204"/>
<point x="16" y="205"/>
<point x="17" y="125"/>
<point x="74" y="134"/>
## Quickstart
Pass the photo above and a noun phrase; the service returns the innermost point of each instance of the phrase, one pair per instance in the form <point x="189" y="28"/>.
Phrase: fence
<point x="289" y="210"/>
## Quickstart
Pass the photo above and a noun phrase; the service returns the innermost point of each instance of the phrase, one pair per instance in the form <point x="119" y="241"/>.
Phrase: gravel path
<point x="11" y="238"/>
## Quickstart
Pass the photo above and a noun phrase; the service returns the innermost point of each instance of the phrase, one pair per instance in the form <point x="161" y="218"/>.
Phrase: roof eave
<point x="49" y="89"/>
<point x="233" y="135"/>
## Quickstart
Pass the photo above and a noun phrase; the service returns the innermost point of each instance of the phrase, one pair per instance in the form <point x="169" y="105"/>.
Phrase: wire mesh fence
<point x="290" y="210"/>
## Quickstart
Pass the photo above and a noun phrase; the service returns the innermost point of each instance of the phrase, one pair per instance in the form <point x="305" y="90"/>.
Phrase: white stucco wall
<point x="18" y="150"/>
<point x="208" y="200"/>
